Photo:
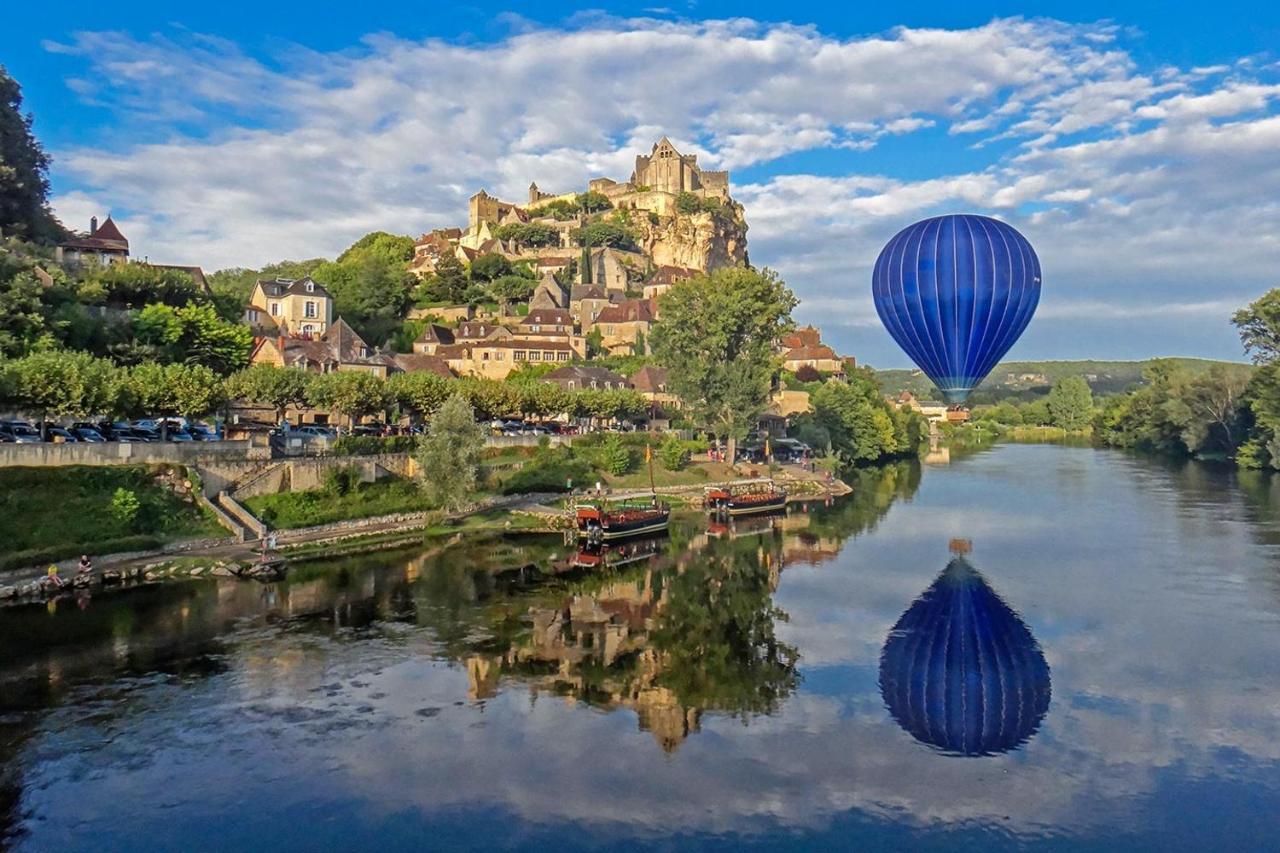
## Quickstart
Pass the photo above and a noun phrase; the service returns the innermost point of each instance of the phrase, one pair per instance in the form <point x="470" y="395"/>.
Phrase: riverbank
<point x="531" y="513"/>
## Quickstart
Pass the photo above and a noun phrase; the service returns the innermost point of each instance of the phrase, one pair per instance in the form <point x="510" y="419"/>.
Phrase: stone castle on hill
<point x="654" y="204"/>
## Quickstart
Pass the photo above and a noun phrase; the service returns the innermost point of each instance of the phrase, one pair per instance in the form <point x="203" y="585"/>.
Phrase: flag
<point x="648" y="453"/>
<point x="767" y="452"/>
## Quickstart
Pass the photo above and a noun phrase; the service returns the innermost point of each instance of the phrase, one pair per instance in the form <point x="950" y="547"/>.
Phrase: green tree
<point x="859" y="423"/>
<point x="605" y="234"/>
<point x="125" y="506"/>
<point x="1070" y="403"/>
<point x="1259" y="326"/>
<point x="449" y="282"/>
<point x="490" y="267"/>
<point x="614" y="456"/>
<point x="266" y="384"/>
<point x="531" y="234"/>
<point x="349" y="392"/>
<point x="420" y="392"/>
<point x="23" y="318"/>
<point x="673" y="453"/>
<point x="511" y="288"/>
<point x="135" y="285"/>
<point x="58" y="384"/>
<point x="716" y="338"/>
<point x="24" y="167"/>
<point x="491" y="399"/>
<point x="194" y="334"/>
<point x="449" y="456"/>
<point x="592" y="202"/>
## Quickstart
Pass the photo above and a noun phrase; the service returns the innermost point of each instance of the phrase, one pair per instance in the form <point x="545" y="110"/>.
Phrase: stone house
<point x="432" y="338"/>
<point x="102" y="245"/>
<point x="287" y="306"/>
<point x="548" y="294"/>
<point x="497" y="356"/>
<point x="339" y="348"/>
<point x="622" y="324"/>
<point x="586" y="301"/>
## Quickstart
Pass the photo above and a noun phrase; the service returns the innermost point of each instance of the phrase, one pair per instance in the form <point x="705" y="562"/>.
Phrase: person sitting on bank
<point x="86" y="565"/>
<point x="52" y="578"/>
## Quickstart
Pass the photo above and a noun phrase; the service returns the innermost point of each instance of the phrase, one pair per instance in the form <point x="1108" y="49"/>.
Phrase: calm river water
<point x="1101" y="670"/>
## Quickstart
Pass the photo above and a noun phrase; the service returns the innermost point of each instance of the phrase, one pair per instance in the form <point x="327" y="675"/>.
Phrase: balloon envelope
<point x="955" y="292"/>
<point x="961" y="672"/>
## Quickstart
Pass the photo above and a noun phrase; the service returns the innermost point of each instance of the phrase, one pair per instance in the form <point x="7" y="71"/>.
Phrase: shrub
<point x="614" y="456"/>
<point x="674" y="454"/>
<point x="371" y="445"/>
<point x="341" y="480"/>
<point x="808" y="373"/>
<point x="125" y="506"/>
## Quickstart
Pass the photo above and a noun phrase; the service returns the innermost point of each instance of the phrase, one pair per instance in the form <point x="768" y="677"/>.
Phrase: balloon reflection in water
<point x="961" y="671"/>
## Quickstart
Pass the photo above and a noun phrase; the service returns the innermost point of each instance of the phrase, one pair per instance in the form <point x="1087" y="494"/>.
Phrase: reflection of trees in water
<point x="716" y="637"/>
<point x="961" y="671"/>
<point x="874" y="491"/>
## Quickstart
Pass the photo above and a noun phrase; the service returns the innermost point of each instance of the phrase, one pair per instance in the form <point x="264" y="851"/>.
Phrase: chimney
<point x="93" y="225"/>
<point x="280" y="344"/>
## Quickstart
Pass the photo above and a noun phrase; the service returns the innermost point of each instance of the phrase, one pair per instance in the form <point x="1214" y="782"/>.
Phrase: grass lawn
<point x="50" y="514"/>
<point x="695" y="473"/>
<point x="288" y="510"/>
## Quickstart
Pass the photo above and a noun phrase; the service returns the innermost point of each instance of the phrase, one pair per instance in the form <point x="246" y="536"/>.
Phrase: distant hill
<point x="1027" y="379"/>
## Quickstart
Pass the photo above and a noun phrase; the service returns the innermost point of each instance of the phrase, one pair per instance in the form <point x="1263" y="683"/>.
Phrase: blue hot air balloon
<point x="961" y="672"/>
<point x="955" y="292"/>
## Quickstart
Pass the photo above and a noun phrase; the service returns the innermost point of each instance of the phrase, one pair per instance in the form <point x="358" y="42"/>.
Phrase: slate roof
<point x="630" y="311"/>
<point x="276" y="288"/>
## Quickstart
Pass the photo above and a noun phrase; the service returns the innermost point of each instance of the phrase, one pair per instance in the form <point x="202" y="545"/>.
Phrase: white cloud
<point x="1154" y="180"/>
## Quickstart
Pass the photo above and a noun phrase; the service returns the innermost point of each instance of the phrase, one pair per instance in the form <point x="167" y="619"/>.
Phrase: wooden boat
<point x="602" y="522"/>
<point x="746" y="498"/>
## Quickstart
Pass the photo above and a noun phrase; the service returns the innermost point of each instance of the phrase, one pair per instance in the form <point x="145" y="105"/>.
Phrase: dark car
<point x="202" y="432"/>
<point x="87" y="434"/>
<point x="57" y="433"/>
<point x="20" y="432"/>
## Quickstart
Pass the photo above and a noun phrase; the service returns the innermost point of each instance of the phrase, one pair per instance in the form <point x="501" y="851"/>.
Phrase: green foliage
<point x="511" y="288"/>
<point x="265" y="384"/>
<point x="593" y="202"/>
<point x="49" y="514"/>
<point x="614" y="456"/>
<point x="717" y="637"/>
<point x="450" y="455"/>
<point x="187" y="390"/>
<point x="24" y="167"/>
<point x="420" y="392"/>
<point x="371" y="284"/>
<point x="597" y="234"/>
<point x="447" y="284"/>
<point x="24" y="318"/>
<point x="291" y="510"/>
<point x="860" y="425"/>
<point x="1070" y="403"/>
<point x="716" y="338"/>
<point x="60" y="384"/>
<point x="125" y="506"/>
<point x="531" y="234"/>
<point x="1181" y="413"/>
<point x="341" y="480"/>
<point x="194" y="334"/>
<point x="674" y="453"/>
<point x="134" y="285"/>
<point x="350" y="393"/>
<point x="373" y="445"/>
<point x="490" y="267"/>
<point x="1259" y="326"/>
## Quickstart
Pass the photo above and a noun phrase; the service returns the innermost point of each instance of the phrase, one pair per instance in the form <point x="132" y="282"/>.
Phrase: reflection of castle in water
<point x="961" y="671"/>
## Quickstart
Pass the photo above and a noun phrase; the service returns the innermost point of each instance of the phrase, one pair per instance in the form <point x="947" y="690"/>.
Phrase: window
<point x="535" y="328"/>
<point x="569" y="385"/>
<point x="499" y="356"/>
<point x="484" y="356"/>
<point x="311" y="286"/>
<point x="519" y="355"/>
<point x="309" y="310"/>
<point x="534" y="355"/>
<point x="562" y="356"/>
<point x="364" y="352"/>
<point x="275" y="309"/>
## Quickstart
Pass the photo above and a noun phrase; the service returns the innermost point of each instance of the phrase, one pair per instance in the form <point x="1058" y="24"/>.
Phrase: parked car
<point x="143" y="434"/>
<point x="175" y="433"/>
<point x="20" y="432"/>
<point x="202" y="432"/>
<point x="87" y="434"/>
<point x="59" y="433"/>
<point x="317" y="431"/>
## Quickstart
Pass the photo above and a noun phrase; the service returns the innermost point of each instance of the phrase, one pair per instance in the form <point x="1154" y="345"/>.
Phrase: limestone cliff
<point x="703" y="240"/>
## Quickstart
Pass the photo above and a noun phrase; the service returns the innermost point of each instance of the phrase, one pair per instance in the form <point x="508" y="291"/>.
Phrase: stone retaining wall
<point x="203" y="453"/>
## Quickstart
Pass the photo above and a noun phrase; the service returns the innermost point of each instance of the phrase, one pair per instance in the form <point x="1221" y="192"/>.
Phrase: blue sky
<point x="1134" y="144"/>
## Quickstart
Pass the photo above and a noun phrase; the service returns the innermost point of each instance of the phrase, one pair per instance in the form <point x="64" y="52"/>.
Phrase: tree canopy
<point x="24" y="171"/>
<point x="716" y="338"/>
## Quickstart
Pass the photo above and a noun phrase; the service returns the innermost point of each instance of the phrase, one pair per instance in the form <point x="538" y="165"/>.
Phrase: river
<point x="1065" y="647"/>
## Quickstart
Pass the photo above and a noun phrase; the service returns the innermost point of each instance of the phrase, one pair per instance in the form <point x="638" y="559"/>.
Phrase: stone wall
<point x="112" y="453"/>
